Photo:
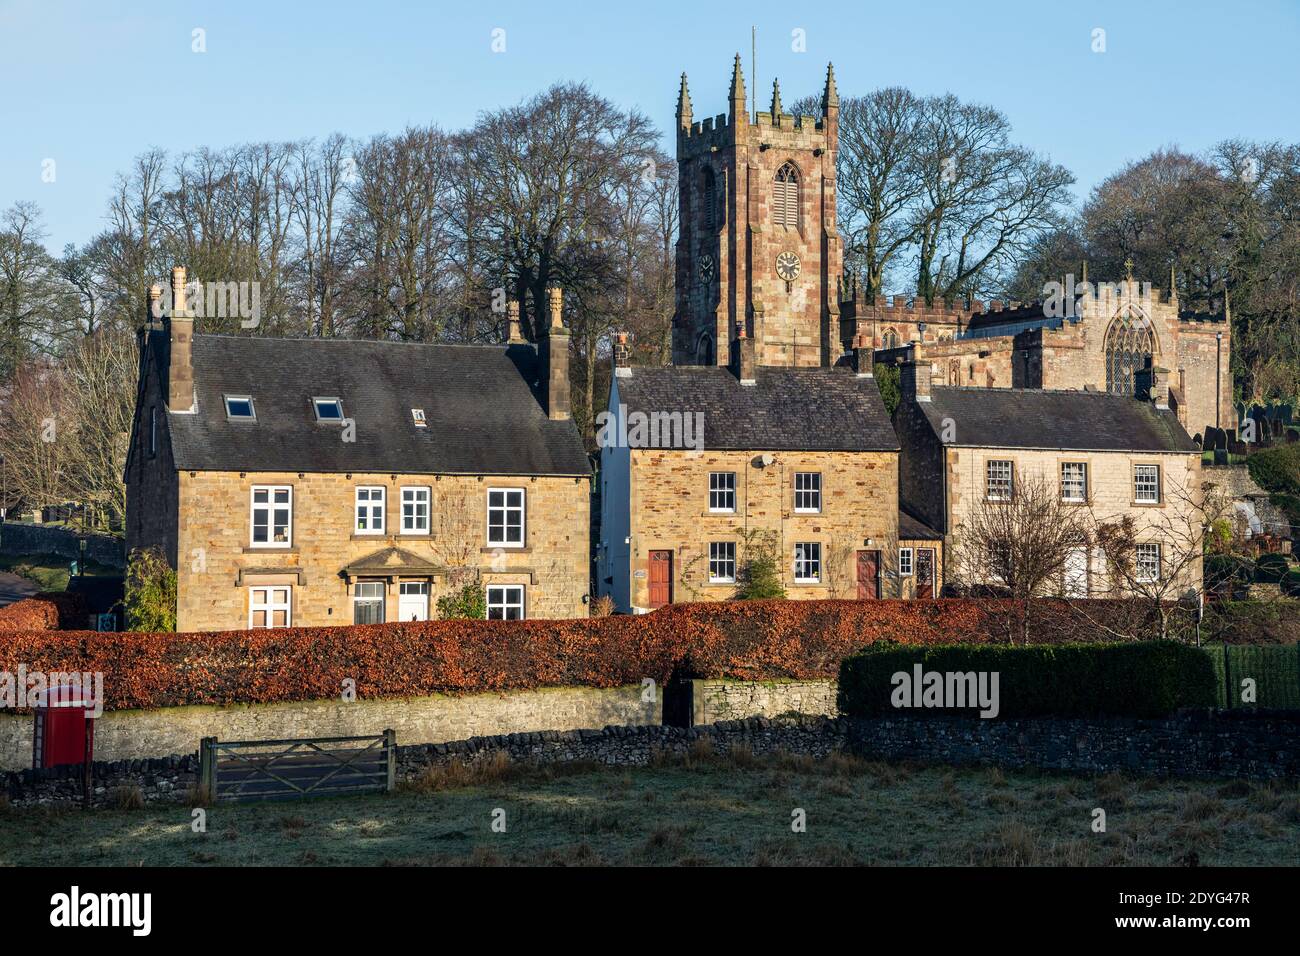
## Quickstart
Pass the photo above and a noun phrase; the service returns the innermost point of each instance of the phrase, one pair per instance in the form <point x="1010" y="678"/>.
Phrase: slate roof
<point x="481" y="406"/>
<point x="1053" y="419"/>
<point x="912" y="528"/>
<point x="787" y="409"/>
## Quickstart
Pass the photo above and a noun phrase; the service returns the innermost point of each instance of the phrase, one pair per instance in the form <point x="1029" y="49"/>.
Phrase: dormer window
<point x="239" y="408"/>
<point x="328" y="409"/>
<point x="417" y="416"/>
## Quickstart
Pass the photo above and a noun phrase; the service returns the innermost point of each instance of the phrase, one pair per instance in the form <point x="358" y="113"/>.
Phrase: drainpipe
<point x="1218" y="375"/>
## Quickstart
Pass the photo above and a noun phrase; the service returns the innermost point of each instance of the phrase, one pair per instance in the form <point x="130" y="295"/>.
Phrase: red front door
<point x="661" y="578"/>
<point x="868" y="575"/>
<point x="925" y="572"/>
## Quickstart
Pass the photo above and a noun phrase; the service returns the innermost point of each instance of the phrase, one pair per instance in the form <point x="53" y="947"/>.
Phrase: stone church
<point x="774" y="352"/>
<point x="759" y="254"/>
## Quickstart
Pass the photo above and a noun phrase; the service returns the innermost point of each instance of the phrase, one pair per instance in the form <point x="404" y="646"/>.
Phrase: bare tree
<point x="1157" y="565"/>
<point x="1018" y="547"/>
<point x="32" y="299"/>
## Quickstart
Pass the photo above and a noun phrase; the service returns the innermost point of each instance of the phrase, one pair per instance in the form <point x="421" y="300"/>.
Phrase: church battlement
<point x="758" y="253"/>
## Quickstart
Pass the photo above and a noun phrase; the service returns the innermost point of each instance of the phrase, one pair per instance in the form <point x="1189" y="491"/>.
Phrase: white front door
<point x="413" y="601"/>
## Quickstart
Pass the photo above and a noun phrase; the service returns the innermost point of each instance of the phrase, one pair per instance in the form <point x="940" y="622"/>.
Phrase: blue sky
<point x="91" y="84"/>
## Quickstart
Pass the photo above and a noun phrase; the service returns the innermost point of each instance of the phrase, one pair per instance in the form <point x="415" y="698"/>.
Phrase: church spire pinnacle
<point x="776" y="99"/>
<point x="830" y="96"/>
<point x="737" y="89"/>
<point x="683" y="106"/>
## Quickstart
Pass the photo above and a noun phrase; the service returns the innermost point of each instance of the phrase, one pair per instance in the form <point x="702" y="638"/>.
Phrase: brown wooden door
<point x="925" y="572"/>
<point x="661" y="578"/>
<point x="868" y="575"/>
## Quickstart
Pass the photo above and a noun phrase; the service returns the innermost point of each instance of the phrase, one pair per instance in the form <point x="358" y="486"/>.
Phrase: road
<point x="14" y="588"/>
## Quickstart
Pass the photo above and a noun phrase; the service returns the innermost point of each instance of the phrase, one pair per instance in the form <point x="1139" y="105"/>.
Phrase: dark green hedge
<point x="1277" y="470"/>
<point x="1148" y="679"/>
<point x="1275" y="671"/>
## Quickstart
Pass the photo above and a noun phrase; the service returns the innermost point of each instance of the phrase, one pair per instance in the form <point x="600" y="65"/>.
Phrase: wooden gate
<point x="868" y="575"/>
<point x="661" y="578"/>
<point x="235" y="770"/>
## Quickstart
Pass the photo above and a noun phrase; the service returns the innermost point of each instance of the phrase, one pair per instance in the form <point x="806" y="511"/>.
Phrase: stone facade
<point x="731" y="235"/>
<point x="202" y="520"/>
<point x="944" y="484"/>
<point x="1017" y="346"/>
<point x="669" y="509"/>
<point x="1110" y="495"/>
<point x="217" y="567"/>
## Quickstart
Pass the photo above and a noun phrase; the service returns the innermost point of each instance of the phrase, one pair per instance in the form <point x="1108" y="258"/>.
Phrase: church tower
<point x="758" y="253"/>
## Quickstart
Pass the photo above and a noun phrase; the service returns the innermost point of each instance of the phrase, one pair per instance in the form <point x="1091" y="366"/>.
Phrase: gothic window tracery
<point x="1129" y="349"/>
<point x="889" y="339"/>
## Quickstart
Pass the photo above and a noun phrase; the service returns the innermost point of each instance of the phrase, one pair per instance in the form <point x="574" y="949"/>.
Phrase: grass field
<point x="732" y="809"/>
<point x="49" y="571"/>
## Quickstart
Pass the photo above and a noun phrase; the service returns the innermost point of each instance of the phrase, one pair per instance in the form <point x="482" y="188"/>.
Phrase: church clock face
<point x="788" y="266"/>
<point x="705" y="267"/>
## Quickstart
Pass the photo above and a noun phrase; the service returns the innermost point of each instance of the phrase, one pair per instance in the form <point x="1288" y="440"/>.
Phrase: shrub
<point x="44" y="612"/>
<point x="1224" y="571"/>
<point x="1148" y="679"/>
<point x="1277" y="469"/>
<point x="602" y="606"/>
<point x="1271" y="568"/>
<point x="759" y="577"/>
<point x="1275" y="672"/>
<point x="150" y="592"/>
<point x="733" y="640"/>
<point x="1291" y="584"/>
<point x="467" y="604"/>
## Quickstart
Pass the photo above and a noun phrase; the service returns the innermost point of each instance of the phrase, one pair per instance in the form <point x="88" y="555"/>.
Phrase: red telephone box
<point x="63" y="733"/>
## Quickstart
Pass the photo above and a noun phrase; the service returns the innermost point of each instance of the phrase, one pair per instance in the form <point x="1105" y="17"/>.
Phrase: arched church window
<point x="704" y="351"/>
<point x="954" y="372"/>
<point x="710" y="201"/>
<point x="1129" y="348"/>
<point x="889" y="339"/>
<point x="785" y="196"/>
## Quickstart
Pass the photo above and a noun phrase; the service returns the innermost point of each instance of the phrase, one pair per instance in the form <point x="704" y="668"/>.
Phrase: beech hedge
<point x="1144" y="679"/>
<point x="741" y="640"/>
<point x="44" y="612"/>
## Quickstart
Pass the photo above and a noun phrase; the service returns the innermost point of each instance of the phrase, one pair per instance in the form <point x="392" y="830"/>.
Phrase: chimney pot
<point x="513" y="335"/>
<point x="178" y="291"/>
<point x="555" y="297"/>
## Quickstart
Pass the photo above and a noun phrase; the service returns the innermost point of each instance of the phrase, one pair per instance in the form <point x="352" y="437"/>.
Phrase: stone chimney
<point x="622" y="354"/>
<point x="1159" y="387"/>
<point x="513" y="335"/>
<point x="864" y="356"/>
<point x="554" y="348"/>
<point x="153" y="312"/>
<point x="180" y="362"/>
<point x="914" y="377"/>
<point x="742" y="356"/>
